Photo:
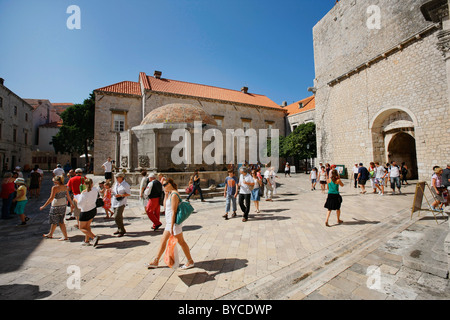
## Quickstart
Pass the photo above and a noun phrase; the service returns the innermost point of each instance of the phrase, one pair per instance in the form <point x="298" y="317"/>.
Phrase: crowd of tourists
<point x="72" y="189"/>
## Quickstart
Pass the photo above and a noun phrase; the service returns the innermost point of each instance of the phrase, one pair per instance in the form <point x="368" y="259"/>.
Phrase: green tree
<point x="77" y="131"/>
<point x="300" y="144"/>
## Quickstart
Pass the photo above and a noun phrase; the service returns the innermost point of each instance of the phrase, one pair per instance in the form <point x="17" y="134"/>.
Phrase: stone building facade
<point x="300" y="112"/>
<point x="16" y="130"/>
<point x="381" y="88"/>
<point x="124" y="105"/>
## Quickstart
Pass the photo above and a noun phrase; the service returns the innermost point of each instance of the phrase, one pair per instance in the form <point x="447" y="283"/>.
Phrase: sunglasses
<point x="165" y="184"/>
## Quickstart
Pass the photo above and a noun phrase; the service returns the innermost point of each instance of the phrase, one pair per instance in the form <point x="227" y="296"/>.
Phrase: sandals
<point x="188" y="266"/>
<point x="152" y="265"/>
<point x="47" y="236"/>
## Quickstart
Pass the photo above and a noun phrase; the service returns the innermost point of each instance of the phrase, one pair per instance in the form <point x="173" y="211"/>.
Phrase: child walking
<point x="107" y="200"/>
<point x="334" y="199"/>
<point x="230" y="193"/>
<point x="21" y="201"/>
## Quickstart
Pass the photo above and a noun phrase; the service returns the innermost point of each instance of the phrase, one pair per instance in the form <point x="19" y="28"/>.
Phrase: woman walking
<point x="172" y="199"/>
<point x="334" y="199"/>
<point x="255" y="197"/>
<point x="58" y="199"/>
<point x="323" y="178"/>
<point x="87" y="204"/>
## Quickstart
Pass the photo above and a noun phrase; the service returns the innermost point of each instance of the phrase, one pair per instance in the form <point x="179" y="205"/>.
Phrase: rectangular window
<point x="119" y="122"/>
<point x="246" y="124"/>
<point x="15" y="110"/>
<point x="26" y="138"/>
<point x="14" y="135"/>
<point x="219" y="120"/>
<point x="269" y="127"/>
<point x="1" y="102"/>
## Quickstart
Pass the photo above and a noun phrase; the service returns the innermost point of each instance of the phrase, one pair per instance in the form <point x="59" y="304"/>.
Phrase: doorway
<point x="402" y="148"/>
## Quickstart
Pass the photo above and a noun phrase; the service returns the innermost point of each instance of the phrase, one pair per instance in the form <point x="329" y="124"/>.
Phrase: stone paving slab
<point x="231" y="256"/>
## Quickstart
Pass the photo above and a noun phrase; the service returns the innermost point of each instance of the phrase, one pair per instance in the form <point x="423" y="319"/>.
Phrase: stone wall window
<point x="119" y="121"/>
<point x="15" y="110"/>
<point x="219" y="120"/>
<point x="1" y="102"/>
<point x="269" y="127"/>
<point x="14" y="135"/>
<point x="246" y="124"/>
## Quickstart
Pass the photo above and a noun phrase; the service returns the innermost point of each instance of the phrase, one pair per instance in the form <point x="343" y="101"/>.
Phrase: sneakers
<point x="96" y="241"/>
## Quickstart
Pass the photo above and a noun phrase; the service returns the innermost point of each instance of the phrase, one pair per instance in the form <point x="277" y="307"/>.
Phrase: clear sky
<point x="264" y="45"/>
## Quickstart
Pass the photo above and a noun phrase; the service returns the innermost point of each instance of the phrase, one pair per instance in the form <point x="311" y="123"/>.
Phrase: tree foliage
<point x="300" y="144"/>
<point x="77" y="131"/>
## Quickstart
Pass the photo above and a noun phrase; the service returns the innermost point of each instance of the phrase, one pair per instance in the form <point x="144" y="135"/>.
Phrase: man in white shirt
<point x="380" y="174"/>
<point x="268" y="188"/>
<point x="108" y="169"/>
<point x="394" y="175"/>
<point x="58" y="171"/>
<point x="120" y="191"/>
<point x="245" y="183"/>
<point x="355" y="174"/>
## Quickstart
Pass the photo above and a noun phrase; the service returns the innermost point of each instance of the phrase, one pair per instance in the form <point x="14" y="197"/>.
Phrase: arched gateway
<point x="394" y="138"/>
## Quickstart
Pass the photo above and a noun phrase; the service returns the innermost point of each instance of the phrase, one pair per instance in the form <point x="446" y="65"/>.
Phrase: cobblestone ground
<point x="284" y="252"/>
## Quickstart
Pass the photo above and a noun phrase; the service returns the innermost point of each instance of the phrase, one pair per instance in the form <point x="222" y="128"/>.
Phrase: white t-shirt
<point x="394" y="171"/>
<point x="355" y="170"/>
<point x="58" y="172"/>
<point x="108" y="166"/>
<point x="244" y="188"/>
<point x="380" y="172"/>
<point x="86" y="200"/>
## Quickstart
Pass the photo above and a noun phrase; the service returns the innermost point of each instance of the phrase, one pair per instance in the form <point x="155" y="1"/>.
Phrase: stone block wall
<point x="412" y="81"/>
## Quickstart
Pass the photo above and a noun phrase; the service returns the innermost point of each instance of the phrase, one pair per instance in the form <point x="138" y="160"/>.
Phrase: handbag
<point x="171" y="254"/>
<point x="184" y="211"/>
<point x="99" y="202"/>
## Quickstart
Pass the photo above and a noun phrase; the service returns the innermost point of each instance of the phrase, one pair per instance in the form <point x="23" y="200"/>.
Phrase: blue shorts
<point x="20" y="207"/>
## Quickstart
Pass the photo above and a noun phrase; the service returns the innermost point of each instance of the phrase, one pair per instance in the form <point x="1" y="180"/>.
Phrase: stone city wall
<point x="352" y="114"/>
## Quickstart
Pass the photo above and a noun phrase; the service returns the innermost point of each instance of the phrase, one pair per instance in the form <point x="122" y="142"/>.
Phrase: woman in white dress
<point x="172" y="199"/>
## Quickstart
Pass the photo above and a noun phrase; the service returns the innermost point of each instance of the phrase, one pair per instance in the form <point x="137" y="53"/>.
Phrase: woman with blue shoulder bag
<point x="173" y="204"/>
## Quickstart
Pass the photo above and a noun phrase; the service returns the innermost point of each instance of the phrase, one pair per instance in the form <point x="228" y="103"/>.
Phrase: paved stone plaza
<point x="285" y="252"/>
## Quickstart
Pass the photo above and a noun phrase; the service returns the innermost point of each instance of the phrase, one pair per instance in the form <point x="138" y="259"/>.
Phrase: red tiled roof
<point x="308" y="105"/>
<point x="125" y="87"/>
<point x="209" y="92"/>
<point x="189" y="89"/>
<point x="52" y="125"/>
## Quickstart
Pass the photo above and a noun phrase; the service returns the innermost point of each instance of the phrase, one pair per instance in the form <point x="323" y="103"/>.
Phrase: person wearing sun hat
<point x="21" y="201"/>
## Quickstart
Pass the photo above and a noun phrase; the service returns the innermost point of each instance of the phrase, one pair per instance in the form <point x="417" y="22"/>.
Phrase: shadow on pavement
<point x="22" y="292"/>
<point x="218" y="266"/>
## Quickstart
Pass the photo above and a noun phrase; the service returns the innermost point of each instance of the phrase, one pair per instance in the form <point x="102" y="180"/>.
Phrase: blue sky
<point x="265" y="45"/>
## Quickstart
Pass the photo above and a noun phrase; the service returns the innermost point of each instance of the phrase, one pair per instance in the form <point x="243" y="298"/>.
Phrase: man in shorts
<point x="74" y="186"/>
<point x="380" y="174"/>
<point x="108" y="169"/>
<point x="363" y="176"/>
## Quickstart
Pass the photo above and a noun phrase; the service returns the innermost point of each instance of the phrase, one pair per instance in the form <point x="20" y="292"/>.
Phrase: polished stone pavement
<point x="284" y="252"/>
